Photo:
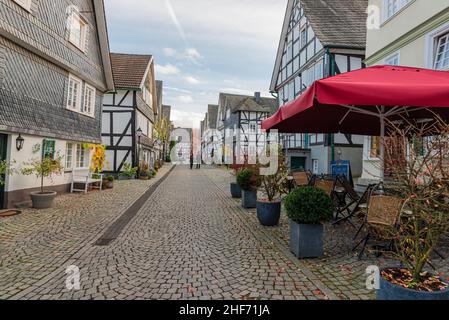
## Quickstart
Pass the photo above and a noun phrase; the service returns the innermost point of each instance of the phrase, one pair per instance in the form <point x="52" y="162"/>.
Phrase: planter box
<point x="249" y="199"/>
<point x="389" y="291"/>
<point x="268" y="213"/>
<point x="236" y="191"/>
<point x="306" y="240"/>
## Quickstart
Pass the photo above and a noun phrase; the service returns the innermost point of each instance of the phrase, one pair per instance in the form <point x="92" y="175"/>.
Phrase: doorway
<point x="298" y="163"/>
<point x="3" y="145"/>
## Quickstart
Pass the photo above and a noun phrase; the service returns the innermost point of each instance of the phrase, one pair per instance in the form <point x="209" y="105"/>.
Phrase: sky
<point x="201" y="47"/>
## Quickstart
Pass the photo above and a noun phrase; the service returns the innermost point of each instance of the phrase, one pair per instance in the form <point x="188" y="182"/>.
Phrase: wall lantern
<point x="19" y="142"/>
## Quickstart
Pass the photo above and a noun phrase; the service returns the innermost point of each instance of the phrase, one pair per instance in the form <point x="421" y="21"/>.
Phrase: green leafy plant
<point x="129" y="171"/>
<point x="96" y="176"/>
<point x="309" y="205"/>
<point x="43" y="168"/>
<point x="110" y="178"/>
<point x="248" y="179"/>
<point x="6" y="169"/>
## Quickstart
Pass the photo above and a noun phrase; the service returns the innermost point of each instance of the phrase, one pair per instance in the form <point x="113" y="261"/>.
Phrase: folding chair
<point x="327" y="186"/>
<point x="383" y="212"/>
<point x="301" y="178"/>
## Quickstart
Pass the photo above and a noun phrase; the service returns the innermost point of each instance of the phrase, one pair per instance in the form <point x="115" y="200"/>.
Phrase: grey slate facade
<point x="35" y="61"/>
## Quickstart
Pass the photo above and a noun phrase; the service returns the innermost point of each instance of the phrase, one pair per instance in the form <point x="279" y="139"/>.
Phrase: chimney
<point x="257" y="96"/>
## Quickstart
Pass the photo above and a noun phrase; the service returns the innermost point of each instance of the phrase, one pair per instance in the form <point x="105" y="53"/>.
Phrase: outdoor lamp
<point x="19" y="142"/>
<point x="139" y="132"/>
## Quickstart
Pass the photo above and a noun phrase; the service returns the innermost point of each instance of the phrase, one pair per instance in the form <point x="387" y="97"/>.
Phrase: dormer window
<point x="77" y="31"/>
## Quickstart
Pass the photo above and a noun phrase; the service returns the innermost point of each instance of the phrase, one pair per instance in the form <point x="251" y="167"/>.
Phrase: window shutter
<point x="86" y="39"/>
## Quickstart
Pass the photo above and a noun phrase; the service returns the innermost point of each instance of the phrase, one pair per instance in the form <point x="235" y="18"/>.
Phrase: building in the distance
<point x="209" y="139"/>
<point x="129" y="113"/>
<point x="241" y="116"/>
<point x="54" y="69"/>
<point x="413" y="33"/>
<point x="319" y="39"/>
<point x="183" y="149"/>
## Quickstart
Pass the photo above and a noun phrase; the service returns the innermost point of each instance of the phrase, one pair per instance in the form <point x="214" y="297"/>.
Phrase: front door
<point x="3" y="141"/>
<point x="298" y="163"/>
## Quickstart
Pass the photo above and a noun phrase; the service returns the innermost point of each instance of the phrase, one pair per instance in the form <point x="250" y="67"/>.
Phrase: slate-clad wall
<point x="35" y="62"/>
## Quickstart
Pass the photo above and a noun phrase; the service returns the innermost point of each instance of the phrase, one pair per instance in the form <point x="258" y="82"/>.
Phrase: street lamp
<point x="19" y="142"/>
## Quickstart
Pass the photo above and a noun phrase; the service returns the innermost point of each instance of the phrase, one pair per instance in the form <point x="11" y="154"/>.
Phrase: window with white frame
<point x="77" y="30"/>
<point x="441" y="60"/>
<point x="74" y="94"/>
<point x="80" y="156"/>
<point x="393" y="60"/>
<point x="26" y="4"/>
<point x="89" y="100"/>
<point x="391" y="7"/>
<point x="69" y="156"/>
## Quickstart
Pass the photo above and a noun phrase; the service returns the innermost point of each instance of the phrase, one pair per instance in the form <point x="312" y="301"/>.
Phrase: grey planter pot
<point x="236" y="191"/>
<point x="389" y="291"/>
<point x="268" y="213"/>
<point x="249" y="199"/>
<point x="306" y="240"/>
<point x="43" y="200"/>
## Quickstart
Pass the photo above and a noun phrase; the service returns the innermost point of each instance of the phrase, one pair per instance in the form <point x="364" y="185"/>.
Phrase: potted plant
<point x="144" y="171"/>
<point x="248" y="180"/>
<point x="128" y="172"/>
<point x="269" y="208"/>
<point x="6" y="169"/>
<point x="108" y="182"/>
<point x="45" y="168"/>
<point x="418" y="165"/>
<point x="236" y="191"/>
<point x="308" y="208"/>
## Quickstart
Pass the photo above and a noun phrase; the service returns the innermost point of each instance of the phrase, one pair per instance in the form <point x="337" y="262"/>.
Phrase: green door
<point x="298" y="163"/>
<point x="3" y="141"/>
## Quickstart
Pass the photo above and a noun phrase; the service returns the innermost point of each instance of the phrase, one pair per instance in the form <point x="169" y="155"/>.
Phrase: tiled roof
<point x="338" y="23"/>
<point x="249" y="103"/>
<point x="129" y="69"/>
<point x="212" y="111"/>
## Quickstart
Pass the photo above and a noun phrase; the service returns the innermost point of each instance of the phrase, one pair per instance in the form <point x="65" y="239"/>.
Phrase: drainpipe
<point x="332" y="73"/>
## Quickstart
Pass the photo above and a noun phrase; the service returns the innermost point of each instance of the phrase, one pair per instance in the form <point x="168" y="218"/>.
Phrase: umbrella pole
<point x="382" y="143"/>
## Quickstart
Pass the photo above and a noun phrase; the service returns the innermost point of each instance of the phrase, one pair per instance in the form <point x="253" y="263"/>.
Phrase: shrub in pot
<point x="45" y="168"/>
<point x="419" y="167"/>
<point x="128" y="172"/>
<point x="143" y="171"/>
<point x="236" y="191"/>
<point x="108" y="182"/>
<point x="248" y="180"/>
<point x="308" y="208"/>
<point x="272" y="183"/>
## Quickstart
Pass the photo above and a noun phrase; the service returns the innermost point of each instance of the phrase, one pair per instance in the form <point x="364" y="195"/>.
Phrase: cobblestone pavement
<point x="35" y="244"/>
<point x="189" y="241"/>
<point x="340" y="270"/>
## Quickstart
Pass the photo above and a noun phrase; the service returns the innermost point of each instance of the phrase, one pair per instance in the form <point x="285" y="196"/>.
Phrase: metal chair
<point x="383" y="213"/>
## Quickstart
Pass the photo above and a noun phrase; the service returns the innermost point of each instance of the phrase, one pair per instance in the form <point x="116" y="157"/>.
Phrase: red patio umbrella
<point x="359" y="102"/>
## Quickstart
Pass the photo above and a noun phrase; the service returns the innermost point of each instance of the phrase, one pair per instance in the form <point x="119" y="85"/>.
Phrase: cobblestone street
<point x="190" y="240"/>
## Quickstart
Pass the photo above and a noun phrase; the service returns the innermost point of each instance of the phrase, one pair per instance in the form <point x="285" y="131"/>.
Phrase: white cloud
<point x="191" y="80"/>
<point x="186" y="119"/>
<point x="168" y="69"/>
<point x="192" y="53"/>
<point x="169" y="52"/>
<point x="177" y="89"/>
<point x="185" y="99"/>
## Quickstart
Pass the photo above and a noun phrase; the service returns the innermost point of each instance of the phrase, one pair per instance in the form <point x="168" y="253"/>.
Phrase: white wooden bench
<point x="84" y="176"/>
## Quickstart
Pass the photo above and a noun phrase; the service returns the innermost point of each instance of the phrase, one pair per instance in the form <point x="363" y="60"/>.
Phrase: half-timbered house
<point x="209" y="137"/>
<point x="242" y="117"/>
<point x="54" y="70"/>
<point x="129" y="112"/>
<point x="319" y="39"/>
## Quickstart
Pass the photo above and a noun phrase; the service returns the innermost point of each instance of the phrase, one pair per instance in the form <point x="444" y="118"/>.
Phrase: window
<point x="303" y="37"/>
<point x="315" y="166"/>
<point x="393" y="60"/>
<point x="89" y="100"/>
<point x="374" y="151"/>
<point x="442" y="53"/>
<point x="80" y="156"/>
<point x="77" y="31"/>
<point x="74" y="94"/>
<point x="391" y="7"/>
<point x="69" y="156"/>
<point x="26" y="4"/>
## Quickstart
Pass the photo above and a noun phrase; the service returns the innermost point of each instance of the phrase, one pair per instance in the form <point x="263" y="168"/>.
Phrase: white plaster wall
<point x="18" y="181"/>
